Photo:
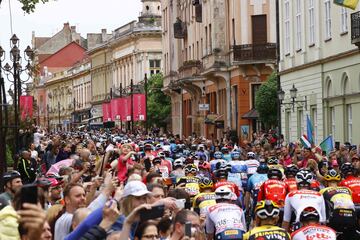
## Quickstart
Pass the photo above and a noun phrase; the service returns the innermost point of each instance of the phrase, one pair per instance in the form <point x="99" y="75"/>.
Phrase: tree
<point x="29" y="5"/>
<point x="266" y="101"/>
<point x="158" y="104"/>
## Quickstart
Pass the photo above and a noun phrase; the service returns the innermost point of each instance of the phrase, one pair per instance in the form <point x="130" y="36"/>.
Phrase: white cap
<point x="135" y="188"/>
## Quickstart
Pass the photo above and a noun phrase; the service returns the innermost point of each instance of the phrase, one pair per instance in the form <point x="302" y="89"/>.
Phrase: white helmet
<point x="178" y="162"/>
<point x="251" y="155"/>
<point x="225" y="193"/>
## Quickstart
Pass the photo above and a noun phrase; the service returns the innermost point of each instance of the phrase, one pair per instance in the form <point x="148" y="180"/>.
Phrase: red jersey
<point x="274" y="190"/>
<point x="233" y="187"/>
<point x="353" y="183"/>
<point x="290" y="184"/>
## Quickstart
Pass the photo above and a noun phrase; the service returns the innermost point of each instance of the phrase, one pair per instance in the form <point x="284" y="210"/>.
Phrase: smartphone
<point x="188" y="229"/>
<point x="154" y="212"/>
<point x="180" y="203"/>
<point x="337" y="145"/>
<point x="29" y="194"/>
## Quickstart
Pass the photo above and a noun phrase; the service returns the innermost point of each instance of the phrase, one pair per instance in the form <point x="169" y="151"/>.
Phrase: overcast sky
<point x="87" y="15"/>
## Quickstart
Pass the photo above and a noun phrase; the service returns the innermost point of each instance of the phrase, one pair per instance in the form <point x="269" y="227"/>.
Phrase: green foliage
<point x="159" y="104"/>
<point x="9" y="156"/>
<point x="29" y="5"/>
<point x="266" y="102"/>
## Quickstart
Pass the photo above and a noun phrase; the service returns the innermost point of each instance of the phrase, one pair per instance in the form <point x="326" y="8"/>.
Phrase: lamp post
<point x="59" y="114"/>
<point x="293" y="95"/>
<point x="13" y="73"/>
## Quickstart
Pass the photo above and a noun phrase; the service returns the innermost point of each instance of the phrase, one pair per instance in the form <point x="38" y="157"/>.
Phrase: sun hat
<point x="135" y="188"/>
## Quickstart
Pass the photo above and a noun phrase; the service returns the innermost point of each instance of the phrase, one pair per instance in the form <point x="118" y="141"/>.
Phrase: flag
<point x="327" y="145"/>
<point x="26" y="107"/>
<point x="347" y="3"/>
<point x="139" y="105"/>
<point x="106" y="109"/>
<point x="309" y="130"/>
<point x="305" y="142"/>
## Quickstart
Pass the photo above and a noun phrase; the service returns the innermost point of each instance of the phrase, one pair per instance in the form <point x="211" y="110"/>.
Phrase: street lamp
<point x="293" y="95"/>
<point x="13" y="74"/>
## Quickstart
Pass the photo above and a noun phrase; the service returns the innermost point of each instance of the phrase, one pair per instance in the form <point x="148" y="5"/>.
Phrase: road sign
<point x="204" y="107"/>
<point x="141" y="117"/>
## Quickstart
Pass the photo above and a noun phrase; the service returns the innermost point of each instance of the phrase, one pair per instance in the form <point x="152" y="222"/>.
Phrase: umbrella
<point x="56" y="167"/>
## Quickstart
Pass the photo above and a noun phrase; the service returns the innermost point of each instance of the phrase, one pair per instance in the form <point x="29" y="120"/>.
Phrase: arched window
<point x="328" y="89"/>
<point x="345" y="85"/>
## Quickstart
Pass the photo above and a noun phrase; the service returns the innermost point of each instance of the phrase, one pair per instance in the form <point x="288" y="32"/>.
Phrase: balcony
<point x="190" y="68"/>
<point x="255" y="52"/>
<point x="355" y="29"/>
<point x="180" y="29"/>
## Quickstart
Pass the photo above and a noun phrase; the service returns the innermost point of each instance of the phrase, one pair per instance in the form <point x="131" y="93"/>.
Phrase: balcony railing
<point x="180" y="29"/>
<point x="190" y="68"/>
<point x="255" y="52"/>
<point x="355" y="28"/>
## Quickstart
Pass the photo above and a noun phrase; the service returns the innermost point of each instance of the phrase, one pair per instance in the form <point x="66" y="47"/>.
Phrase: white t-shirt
<point x="62" y="226"/>
<point x="298" y="200"/>
<point x="37" y="137"/>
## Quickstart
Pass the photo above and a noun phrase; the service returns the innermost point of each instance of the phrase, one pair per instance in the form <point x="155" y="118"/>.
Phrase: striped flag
<point x="305" y="142"/>
<point x="309" y="130"/>
<point x="347" y="3"/>
<point x="327" y="145"/>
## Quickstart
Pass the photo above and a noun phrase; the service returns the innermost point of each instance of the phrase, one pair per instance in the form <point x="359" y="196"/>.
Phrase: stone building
<point x="217" y="53"/>
<point x="318" y="58"/>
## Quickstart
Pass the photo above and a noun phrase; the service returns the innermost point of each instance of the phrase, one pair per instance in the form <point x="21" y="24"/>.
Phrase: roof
<point x="252" y="114"/>
<point x="51" y="55"/>
<point x="40" y="41"/>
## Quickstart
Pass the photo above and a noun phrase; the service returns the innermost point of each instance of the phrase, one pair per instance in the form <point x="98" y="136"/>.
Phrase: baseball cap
<point x="135" y="188"/>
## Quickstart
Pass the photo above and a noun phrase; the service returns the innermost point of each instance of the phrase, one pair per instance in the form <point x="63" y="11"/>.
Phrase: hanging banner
<point x="116" y="108"/>
<point x="26" y="107"/>
<point x="126" y="109"/>
<point x="106" y="109"/>
<point x="139" y="113"/>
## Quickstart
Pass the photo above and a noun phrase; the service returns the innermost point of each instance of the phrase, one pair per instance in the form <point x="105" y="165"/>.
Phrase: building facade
<point x="216" y="55"/>
<point x="317" y="57"/>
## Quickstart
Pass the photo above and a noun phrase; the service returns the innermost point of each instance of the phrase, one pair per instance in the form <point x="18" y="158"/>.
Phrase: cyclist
<point x="273" y="189"/>
<point x="311" y="229"/>
<point x="226" y="156"/>
<point x="218" y="159"/>
<point x="266" y="217"/>
<point x="273" y="162"/>
<point x="251" y="163"/>
<point x="225" y="219"/>
<point x="12" y="183"/>
<point x="222" y="175"/>
<point x="296" y="201"/>
<point x="206" y="198"/>
<point x="178" y="170"/>
<point x="290" y="173"/>
<point x="190" y="182"/>
<point x="340" y="209"/>
<point x="238" y="170"/>
<point x="351" y="181"/>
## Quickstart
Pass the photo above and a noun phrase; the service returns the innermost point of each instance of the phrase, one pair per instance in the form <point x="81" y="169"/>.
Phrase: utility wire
<point x="11" y="21"/>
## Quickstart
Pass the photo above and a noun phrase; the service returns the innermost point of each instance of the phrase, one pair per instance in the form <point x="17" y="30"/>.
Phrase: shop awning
<point x="252" y="114"/>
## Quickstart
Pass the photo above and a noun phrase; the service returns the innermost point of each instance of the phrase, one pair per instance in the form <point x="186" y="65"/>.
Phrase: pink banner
<point x="139" y="105"/>
<point x="126" y="109"/>
<point x="106" y="109"/>
<point x="26" y="107"/>
<point x="116" y="108"/>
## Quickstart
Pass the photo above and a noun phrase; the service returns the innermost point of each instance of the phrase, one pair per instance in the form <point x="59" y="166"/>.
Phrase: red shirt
<point x="290" y="184"/>
<point x="233" y="187"/>
<point x="273" y="189"/>
<point x="353" y="183"/>
<point x="123" y="167"/>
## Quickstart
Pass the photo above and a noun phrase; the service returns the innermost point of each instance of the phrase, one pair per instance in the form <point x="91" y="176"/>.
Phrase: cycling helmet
<point x="274" y="173"/>
<point x="309" y="214"/>
<point x="218" y="155"/>
<point x="189" y="160"/>
<point x="190" y="168"/>
<point x="186" y="152"/>
<point x="10" y="175"/>
<point x="347" y="169"/>
<point x="204" y="165"/>
<point x="54" y="182"/>
<point x="267" y="209"/>
<point x="201" y="155"/>
<point x="222" y="170"/>
<point x="304" y="177"/>
<point x="332" y="175"/>
<point x="156" y="160"/>
<point x="291" y="170"/>
<point x="43" y="182"/>
<point x="262" y="168"/>
<point x="273" y="160"/>
<point x="178" y="163"/>
<point x="206" y="183"/>
<point x="161" y="154"/>
<point x="225" y="150"/>
<point x="235" y="155"/>
<point x="193" y="147"/>
<point x="251" y="155"/>
<point x="228" y="167"/>
<point x="224" y="193"/>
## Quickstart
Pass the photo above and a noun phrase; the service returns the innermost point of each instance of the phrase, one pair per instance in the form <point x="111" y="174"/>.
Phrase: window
<point x="206" y="41"/>
<point x="314" y="121"/>
<point x="155" y="66"/>
<point x="210" y="39"/>
<point x="233" y="31"/>
<point x="327" y="19"/>
<point x="300" y="123"/>
<point x="344" y="17"/>
<point x="332" y="120"/>
<point x="349" y="123"/>
<point x="287" y="125"/>
<point x="298" y="25"/>
<point x="254" y="89"/>
<point x="287" y="27"/>
<point x="311" y="23"/>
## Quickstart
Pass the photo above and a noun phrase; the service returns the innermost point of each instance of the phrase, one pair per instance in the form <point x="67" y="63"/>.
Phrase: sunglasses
<point x="263" y="213"/>
<point x="273" y="161"/>
<point x="193" y="170"/>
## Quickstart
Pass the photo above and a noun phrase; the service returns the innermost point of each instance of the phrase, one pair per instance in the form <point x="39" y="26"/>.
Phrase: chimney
<point x="73" y="28"/>
<point x="104" y="34"/>
<point x="66" y="25"/>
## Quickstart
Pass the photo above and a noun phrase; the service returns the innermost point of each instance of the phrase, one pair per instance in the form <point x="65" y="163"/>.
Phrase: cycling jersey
<point x="252" y="165"/>
<point x="298" y="200"/>
<point x="227" y="157"/>
<point x="191" y="185"/>
<point x="267" y="232"/>
<point x="290" y="184"/>
<point x="255" y="182"/>
<point x="353" y="183"/>
<point x="214" y="162"/>
<point x="274" y="190"/>
<point x="338" y="197"/>
<point x="226" y="220"/>
<point x="202" y="201"/>
<point x="239" y="169"/>
<point x="233" y="187"/>
<point x="314" y="232"/>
